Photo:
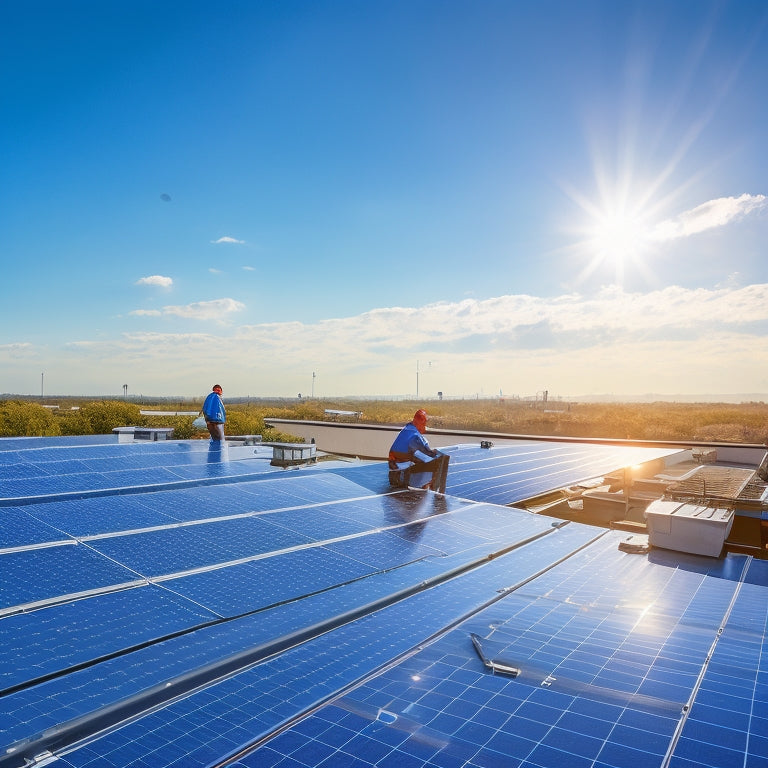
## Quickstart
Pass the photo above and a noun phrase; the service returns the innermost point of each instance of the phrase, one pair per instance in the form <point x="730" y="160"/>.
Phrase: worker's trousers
<point x="438" y="468"/>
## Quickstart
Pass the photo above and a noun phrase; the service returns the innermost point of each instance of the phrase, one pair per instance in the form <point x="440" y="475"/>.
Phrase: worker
<point x="413" y="462"/>
<point x="214" y="413"/>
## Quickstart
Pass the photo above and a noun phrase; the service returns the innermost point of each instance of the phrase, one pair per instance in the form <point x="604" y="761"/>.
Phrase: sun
<point x="618" y="236"/>
<point x="615" y="235"/>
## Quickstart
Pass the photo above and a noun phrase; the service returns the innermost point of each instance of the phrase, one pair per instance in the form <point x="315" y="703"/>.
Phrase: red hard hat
<point x="420" y="415"/>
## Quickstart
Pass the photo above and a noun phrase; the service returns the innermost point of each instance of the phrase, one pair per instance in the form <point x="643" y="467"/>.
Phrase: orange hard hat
<point x="420" y="415"/>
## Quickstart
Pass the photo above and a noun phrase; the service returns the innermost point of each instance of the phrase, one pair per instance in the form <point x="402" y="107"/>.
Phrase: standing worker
<point x="214" y="413"/>
<point x="412" y="460"/>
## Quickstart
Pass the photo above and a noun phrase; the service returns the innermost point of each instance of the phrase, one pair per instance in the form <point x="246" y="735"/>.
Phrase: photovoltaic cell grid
<point x="80" y="692"/>
<point x="8" y="444"/>
<point x="602" y="682"/>
<point x="728" y="722"/>
<point x="66" y="578"/>
<point x="50" y="471"/>
<point x="165" y="629"/>
<point x="44" y="642"/>
<point x="617" y="677"/>
<point x="506" y="474"/>
<point x="503" y="474"/>
<point x="260" y="699"/>
<point x="77" y="558"/>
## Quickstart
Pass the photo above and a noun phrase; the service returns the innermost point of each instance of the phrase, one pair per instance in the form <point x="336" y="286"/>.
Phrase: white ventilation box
<point x="689" y="528"/>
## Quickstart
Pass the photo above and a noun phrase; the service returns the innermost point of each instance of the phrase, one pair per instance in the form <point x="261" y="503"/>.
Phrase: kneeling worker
<point x="411" y="457"/>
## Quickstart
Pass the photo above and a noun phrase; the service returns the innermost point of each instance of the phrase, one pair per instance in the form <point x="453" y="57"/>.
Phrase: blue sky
<point x="507" y="197"/>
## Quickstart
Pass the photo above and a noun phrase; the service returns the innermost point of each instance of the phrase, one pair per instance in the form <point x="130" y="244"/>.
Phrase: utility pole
<point x="313" y="385"/>
<point x="429" y="365"/>
<point x="42" y="385"/>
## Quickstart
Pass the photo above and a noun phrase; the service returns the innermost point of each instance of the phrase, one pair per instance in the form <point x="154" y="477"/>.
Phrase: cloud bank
<point x="675" y="340"/>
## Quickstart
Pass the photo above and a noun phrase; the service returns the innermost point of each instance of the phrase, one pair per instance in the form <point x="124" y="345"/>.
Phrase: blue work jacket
<point x="213" y="409"/>
<point x="410" y="446"/>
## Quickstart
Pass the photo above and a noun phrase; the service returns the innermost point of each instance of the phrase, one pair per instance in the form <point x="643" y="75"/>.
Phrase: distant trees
<point x="25" y="419"/>
<point x="704" y="422"/>
<point x="20" y="419"/>
<point x="101" y="417"/>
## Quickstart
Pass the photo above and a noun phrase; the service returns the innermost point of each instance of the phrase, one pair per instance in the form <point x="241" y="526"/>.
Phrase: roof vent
<point x="290" y="454"/>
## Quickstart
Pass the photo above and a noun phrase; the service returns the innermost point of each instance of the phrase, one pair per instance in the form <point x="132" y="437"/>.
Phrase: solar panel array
<point x="506" y="474"/>
<point x="256" y="616"/>
<point x="51" y="472"/>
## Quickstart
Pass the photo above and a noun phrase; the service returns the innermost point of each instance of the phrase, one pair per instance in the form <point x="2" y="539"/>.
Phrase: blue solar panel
<point x="49" y="640"/>
<point x="729" y="717"/>
<point x="48" y="472"/>
<point x="326" y="622"/>
<point x="43" y="574"/>
<point x="20" y="529"/>
<point x="157" y="553"/>
<point x="261" y="583"/>
<point x="10" y="444"/>
<point x="507" y="474"/>
<point x="440" y="705"/>
<point x="148" y="665"/>
<point x="103" y="514"/>
<point x="280" y="687"/>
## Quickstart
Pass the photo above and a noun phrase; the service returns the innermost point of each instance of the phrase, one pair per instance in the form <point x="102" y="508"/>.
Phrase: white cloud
<point x="509" y="323"/>
<point x="215" y="271"/>
<point x="227" y="239"/>
<point x="249" y="269"/>
<point x="714" y="213"/>
<point x="157" y="280"/>
<point x="19" y="349"/>
<point x="217" y="310"/>
<point x="675" y="340"/>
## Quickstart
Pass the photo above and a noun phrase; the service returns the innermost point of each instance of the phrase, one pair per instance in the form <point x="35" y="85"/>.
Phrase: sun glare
<point x="618" y="237"/>
<point x="615" y="236"/>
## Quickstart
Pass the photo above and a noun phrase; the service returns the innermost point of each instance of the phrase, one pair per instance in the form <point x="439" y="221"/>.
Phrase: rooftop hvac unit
<point x="699" y="530"/>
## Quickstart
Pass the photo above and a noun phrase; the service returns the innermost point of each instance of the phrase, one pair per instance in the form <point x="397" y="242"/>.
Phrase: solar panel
<point x="281" y="686"/>
<point x="102" y="514"/>
<point x="156" y="553"/>
<point x="440" y="705"/>
<point x="50" y="472"/>
<point x="9" y="444"/>
<point x="302" y="616"/>
<point x="60" y="637"/>
<point x="261" y="583"/>
<point x="19" y="529"/>
<point x="48" y="573"/>
<point x="506" y="474"/>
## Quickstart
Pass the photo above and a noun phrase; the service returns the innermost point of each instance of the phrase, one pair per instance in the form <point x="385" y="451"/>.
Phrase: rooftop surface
<point x="178" y="604"/>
